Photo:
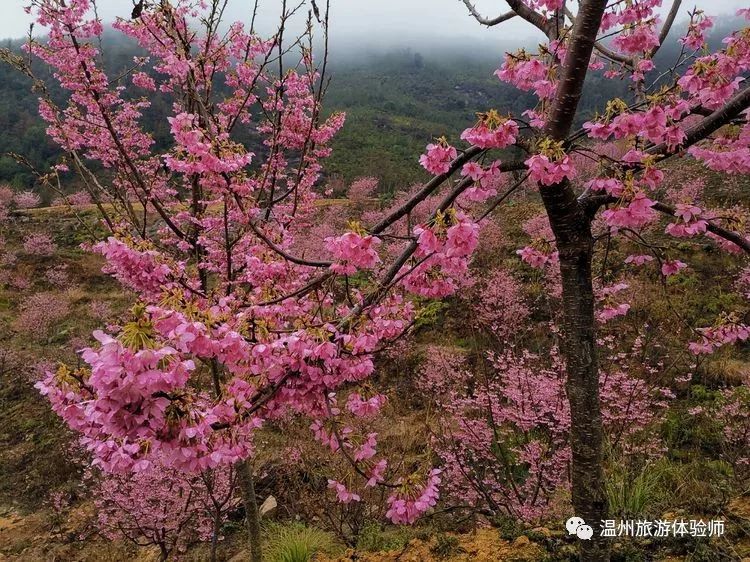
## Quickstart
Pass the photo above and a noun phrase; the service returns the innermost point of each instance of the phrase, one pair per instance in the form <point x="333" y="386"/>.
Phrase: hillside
<point x="694" y="478"/>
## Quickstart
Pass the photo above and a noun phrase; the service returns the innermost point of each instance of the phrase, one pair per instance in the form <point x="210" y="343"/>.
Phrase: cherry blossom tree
<point x="698" y="106"/>
<point x="233" y="327"/>
<point x="27" y="199"/>
<point x="39" y="313"/>
<point x="504" y="421"/>
<point x="164" y="508"/>
<point x="39" y="244"/>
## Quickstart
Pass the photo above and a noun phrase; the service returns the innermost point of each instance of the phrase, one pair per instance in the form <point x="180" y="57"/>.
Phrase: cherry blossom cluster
<point x="414" y="499"/>
<point x="353" y="252"/>
<point x="727" y="331"/>
<point x="609" y="308"/>
<point x="541" y="253"/>
<point x="438" y="158"/>
<point x="637" y="32"/>
<point x="529" y="72"/>
<point x="551" y="165"/>
<point x="443" y="250"/>
<point x="659" y="123"/>
<point x="492" y="131"/>
<point x="485" y="180"/>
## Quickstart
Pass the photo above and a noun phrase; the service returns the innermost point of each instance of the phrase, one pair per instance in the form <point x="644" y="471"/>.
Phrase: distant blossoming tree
<point x="164" y="508"/>
<point x="40" y="313"/>
<point x="27" y="199"/>
<point x="233" y="327"/>
<point x="503" y="426"/>
<point x="39" y="245"/>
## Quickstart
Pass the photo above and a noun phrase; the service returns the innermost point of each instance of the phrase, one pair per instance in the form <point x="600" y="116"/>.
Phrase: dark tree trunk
<point x="572" y="228"/>
<point x="571" y="224"/>
<point x="582" y="386"/>
<point x="252" y="514"/>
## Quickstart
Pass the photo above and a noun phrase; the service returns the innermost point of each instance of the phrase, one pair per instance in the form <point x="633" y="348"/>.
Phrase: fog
<point x="371" y="24"/>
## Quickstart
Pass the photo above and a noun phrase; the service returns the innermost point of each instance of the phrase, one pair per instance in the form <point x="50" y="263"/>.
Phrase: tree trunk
<point x="571" y="224"/>
<point x="582" y="386"/>
<point x="215" y="535"/>
<point x="252" y="515"/>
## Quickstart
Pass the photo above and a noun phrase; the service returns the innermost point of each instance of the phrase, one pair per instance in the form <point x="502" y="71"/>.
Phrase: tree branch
<point x="732" y="109"/>
<point x="575" y="68"/>
<point x="435" y="182"/>
<point x="426" y="191"/>
<point x="276" y="248"/>
<point x="729" y="235"/>
<point x="592" y="203"/>
<point x="533" y="17"/>
<point x="601" y="49"/>
<point x="666" y="27"/>
<point x="489" y="22"/>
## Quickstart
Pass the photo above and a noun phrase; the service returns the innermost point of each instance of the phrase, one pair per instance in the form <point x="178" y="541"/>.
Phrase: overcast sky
<point x="400" y="21"/>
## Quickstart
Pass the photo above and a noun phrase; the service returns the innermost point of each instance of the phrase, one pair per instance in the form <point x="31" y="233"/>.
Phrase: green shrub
<point x="699" y="485"/>
<point x="508" y="527"/>
<point x="295" y="542"/>
<point x="632" y="495"/>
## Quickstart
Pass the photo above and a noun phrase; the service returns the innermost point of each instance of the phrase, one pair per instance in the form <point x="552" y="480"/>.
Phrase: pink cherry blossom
<point x="493" y="135"/>
<point x="409" y="503"/>
<point x="550" y="172"/>
<point x="438" y="158"/>
<point x="672" y="267"/>
<point x="637" y="214"/>
<point x="641" y="259"/>
<point x="352" y="252"/>
<point x="342" y="493"/>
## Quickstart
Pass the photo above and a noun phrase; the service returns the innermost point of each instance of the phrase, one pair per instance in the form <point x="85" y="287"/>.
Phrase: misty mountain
<point x="396" y="100"/>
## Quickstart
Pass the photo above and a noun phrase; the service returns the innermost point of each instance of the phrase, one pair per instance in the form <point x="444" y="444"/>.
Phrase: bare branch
<point x="427" y="190"/>
<point x="436" y="182"/>
<point x="276" y="248"/>
<point x="613" y="56"/>
<point x="489" y="22"/>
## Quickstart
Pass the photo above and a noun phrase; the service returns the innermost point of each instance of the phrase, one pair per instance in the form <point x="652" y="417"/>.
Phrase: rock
<point x="269" y="505"/>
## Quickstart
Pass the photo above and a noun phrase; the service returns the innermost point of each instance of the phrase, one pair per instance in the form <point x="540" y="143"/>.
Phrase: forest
<point x="261" y="300"/>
